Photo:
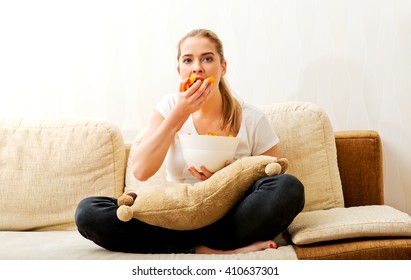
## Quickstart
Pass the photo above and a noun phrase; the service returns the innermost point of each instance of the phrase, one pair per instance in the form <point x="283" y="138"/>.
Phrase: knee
<point x="85" y="213"/>
<point x="293" y="188"/>
<point x="292" y="184"/>
<point x="286" y="186"/>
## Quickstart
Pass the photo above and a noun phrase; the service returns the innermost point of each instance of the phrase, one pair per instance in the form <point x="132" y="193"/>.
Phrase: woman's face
<point x="200" y="58"/>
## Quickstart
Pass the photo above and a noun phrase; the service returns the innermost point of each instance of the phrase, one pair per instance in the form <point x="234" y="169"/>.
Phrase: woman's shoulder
<point x="251" y="111"/>
<point x="170" y="99"/>
<point x="166" y="104"/>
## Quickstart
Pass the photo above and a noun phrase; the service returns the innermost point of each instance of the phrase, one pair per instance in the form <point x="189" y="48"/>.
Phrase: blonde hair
<point x="231" y="106"/>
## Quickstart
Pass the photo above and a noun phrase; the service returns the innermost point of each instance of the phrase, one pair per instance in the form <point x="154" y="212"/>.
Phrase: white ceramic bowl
<point x="210" y="151"/>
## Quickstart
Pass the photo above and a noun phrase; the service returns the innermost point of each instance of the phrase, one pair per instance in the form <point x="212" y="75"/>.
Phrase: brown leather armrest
<point x="359" y="155"/>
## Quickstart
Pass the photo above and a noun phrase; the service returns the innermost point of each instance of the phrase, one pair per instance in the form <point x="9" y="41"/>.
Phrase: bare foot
<point x="257" y="246"/>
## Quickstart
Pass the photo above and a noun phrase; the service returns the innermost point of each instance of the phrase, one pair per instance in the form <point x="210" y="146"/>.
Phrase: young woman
<point x="207" y="106"/>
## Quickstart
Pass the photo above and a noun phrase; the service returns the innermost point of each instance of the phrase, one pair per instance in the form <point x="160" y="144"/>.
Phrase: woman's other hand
<point x="205" y="173"/>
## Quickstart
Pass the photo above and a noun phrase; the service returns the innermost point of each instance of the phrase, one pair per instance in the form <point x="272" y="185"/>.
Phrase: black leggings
<point x="267" y="209"/>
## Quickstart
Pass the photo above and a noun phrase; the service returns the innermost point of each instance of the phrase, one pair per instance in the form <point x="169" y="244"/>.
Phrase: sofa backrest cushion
<point x="306" y="140"/>
<point x="47" y="167"/>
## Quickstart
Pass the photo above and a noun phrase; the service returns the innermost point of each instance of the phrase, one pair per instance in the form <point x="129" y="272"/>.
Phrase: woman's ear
<point x="224" y="66"/>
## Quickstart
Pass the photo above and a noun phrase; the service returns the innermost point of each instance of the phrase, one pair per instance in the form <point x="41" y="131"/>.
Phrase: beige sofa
<point x="47" y="167"/>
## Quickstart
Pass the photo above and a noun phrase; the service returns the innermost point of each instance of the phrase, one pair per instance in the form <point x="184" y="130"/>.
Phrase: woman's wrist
<point x="177" y="118"/>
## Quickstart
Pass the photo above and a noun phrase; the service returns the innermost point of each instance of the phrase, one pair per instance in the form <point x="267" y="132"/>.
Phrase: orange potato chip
<point x="188" y="84"/>
<point x="191" y="81"/>
<point x="213" y="134"/>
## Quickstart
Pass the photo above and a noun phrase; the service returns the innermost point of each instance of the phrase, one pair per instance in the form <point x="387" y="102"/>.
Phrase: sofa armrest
<point x="359" y="156"/>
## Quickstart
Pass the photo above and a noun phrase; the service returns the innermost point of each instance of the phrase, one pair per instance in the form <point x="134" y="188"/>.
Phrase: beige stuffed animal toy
<point x="182" y="206"/>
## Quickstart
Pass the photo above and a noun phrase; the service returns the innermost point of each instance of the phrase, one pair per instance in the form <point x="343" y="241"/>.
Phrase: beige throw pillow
<point x="183" y="206"/>
<point x="353" y="222"/>
<point x="308" y="142"/>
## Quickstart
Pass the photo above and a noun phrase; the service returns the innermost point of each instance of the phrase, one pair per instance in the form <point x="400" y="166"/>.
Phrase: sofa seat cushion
<point x="344" y="223"/>
<point x="70" y="245"/>
<point x="47" y="167"/>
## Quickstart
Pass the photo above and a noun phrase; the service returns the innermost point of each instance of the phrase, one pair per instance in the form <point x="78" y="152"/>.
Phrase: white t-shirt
<point x="256" y="136"/>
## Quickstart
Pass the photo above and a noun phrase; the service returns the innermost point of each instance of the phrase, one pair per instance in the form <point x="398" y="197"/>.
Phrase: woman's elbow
<point x="140" y="173"/>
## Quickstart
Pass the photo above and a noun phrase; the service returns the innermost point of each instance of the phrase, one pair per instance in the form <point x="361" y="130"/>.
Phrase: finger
<point x="202" y="93"/>
<point x="206" y="172"/>
<point x="205" y="85"/>
<point x="194" y="172"/>
<point x="194" y="88"/>
<point x="186" y="83"/>
<point x="183" y="83"/>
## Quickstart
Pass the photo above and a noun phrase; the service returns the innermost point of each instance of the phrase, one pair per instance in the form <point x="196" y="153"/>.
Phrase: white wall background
<point x="114" y="60"/>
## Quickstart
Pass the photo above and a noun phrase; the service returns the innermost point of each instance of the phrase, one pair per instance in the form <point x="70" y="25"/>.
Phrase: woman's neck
<point x="212" y="108"/>
<point x="209" y="118"/>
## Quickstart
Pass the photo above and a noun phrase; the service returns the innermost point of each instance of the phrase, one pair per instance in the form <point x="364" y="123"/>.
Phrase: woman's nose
<point x="197" y="67"/>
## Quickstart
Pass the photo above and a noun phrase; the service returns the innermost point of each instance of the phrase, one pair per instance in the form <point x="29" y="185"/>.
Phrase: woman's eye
<point x="207" y="59"/>
<point x="187" y="60"/>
